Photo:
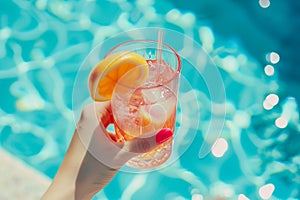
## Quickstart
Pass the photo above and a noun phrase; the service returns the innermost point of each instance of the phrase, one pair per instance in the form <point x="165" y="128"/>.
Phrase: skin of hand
<point x="94" y="157"/>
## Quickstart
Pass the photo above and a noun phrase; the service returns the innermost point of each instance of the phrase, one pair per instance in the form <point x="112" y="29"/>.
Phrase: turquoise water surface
<point x="257" y="156"/>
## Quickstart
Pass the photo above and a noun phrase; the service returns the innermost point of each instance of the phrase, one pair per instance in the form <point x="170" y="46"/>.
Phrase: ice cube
<point x="151" y="95"/>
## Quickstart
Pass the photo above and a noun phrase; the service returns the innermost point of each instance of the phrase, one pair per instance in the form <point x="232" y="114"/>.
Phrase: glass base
<point x="152" y="159"/>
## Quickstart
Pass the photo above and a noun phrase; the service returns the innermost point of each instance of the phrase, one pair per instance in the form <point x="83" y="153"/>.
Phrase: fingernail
<point x="163" y="135"/>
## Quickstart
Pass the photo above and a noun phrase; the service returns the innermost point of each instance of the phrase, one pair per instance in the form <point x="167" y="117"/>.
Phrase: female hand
<point x="94" y="157"/>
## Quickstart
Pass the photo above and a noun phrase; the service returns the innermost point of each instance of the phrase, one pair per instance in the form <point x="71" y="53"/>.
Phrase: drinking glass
<point x="143" y="110"/>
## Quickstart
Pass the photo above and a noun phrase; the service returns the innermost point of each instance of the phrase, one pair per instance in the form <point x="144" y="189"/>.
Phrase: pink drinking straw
<point x="160" y="38"/>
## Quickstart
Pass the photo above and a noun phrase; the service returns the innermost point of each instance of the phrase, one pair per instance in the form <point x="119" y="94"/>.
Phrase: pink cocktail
<point x="145" y="109"/>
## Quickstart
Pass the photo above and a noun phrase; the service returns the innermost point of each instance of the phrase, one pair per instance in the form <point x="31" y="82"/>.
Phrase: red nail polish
<point x="163" y="135"/>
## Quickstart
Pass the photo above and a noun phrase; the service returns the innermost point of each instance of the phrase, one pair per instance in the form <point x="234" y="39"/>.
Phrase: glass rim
<point x="176" y="74"/>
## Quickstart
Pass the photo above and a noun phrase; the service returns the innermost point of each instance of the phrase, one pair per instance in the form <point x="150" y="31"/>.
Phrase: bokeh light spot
<point x="220" y="147"/>
<point x="281" y="122"/>
<point x="266" y="191"/>
<point x="269" y="70"/>
<point x="273" y="99"/>
<point x="273" y="57"/>
<point x="264" y="3"/>
<point x="270" y="101"/>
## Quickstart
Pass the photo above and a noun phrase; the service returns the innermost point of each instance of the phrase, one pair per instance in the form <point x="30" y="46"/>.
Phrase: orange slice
<point x="144" y="120"/>
<point x="107" y="74"/>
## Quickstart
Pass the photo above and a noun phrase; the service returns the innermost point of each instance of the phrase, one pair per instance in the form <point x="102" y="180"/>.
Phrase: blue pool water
<point x="253" y="45"/>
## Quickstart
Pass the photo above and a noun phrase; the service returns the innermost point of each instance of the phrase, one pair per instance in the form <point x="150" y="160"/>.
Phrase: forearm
<point x="93" y="176"/>
<point x="80" y="175"/>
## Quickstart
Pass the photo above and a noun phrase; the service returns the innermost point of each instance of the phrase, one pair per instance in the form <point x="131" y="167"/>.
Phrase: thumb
<point x="145" y="144"/>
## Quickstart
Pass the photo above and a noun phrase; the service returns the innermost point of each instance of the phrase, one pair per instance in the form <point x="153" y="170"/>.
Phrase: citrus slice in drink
<point x="107" y="74"/>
